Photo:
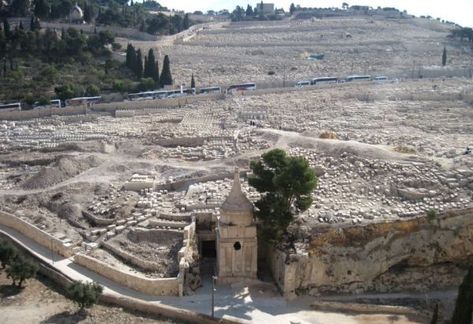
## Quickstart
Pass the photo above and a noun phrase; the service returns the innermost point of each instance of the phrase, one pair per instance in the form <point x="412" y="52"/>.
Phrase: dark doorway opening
<point x="208" y="249"/>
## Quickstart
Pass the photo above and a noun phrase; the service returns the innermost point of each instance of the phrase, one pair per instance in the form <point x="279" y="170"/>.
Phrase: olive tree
<point x="84" y="294"/>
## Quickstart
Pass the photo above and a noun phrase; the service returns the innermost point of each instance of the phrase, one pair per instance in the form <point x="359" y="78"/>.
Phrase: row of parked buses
<point x="328" y="80"/>
<point x="166" y="94"/>
<point x="54" y="103"/>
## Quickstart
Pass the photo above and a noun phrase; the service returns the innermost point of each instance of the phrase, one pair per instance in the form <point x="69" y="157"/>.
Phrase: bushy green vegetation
<point x="33" y="64"/>
<point x="85" y="295"/>
<point x="17" y="267"/>
<point x="286" y="184"/>
<point x="113" y="12"/>
<point x="240" y="14"/>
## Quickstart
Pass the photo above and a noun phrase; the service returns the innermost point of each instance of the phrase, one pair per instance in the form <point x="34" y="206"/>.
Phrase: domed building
<point x="76" y="15"/>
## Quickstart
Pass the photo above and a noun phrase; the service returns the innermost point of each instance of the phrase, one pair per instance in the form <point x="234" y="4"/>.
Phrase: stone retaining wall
<point x="41" y="113"/>
<point x="97" y="220"/>
<point x="36" y="234"/>
<point x="155" y="287"/>
<point x="140" y="263"/>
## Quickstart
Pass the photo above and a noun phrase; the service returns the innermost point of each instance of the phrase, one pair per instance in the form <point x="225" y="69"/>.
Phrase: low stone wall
<point x="36" y="234"/>
<point x="41" y="113"/>
<point x="97" y="220"/>
<point x="350" y="259"/>
<point x="155" y="287"/>
<point x="140" y="263"/>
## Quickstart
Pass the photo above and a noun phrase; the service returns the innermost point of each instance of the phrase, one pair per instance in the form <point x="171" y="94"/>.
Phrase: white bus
<point x="241" y="87"/>
<point x="54" y="103"/>
<point x="302" y="84"/>
<point x="358" y="78"/>
<point x="210" y="90"/>
<point x="15" y="106"/>
<point x="324" y="80"/>
<point x="79" y="101"/>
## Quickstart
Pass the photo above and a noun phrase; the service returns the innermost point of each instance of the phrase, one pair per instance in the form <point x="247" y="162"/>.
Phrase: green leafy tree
<point x="292" y="8"/>
<point x="21" y="269"/>
<point x="237" y="14"/>
<point x="146" y="84"/>
<point x="464" y="303"/>
<point x="41" y="8"/>
<point x="7" y="253"/>
<point x="435" y="316"/>
<point x="192" y="81"/>
<point x="92" y="90"/>
<point x="286" y="184"/>
<point x="444" y="56"/>
<point x="66" y="91"/>
<point x="186" y="22"/>
<point x="85" y="295"/>
<point x="19" y="8"/>
<point x="89" y="13"/>
<point x="249" y="11"/>
<point x="166" y="77"/>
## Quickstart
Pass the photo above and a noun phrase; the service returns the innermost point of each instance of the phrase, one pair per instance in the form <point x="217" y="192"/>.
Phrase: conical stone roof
<point x="236" y="200"/>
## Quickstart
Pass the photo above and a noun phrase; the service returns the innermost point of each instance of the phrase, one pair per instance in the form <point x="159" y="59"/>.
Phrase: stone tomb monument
<point x="236" y="237"/>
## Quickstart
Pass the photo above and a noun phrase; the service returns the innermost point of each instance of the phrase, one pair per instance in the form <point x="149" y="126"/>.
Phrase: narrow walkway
<point x="258" y="303"/>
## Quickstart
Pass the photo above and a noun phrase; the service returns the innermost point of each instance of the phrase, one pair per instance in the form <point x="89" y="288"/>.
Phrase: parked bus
<point x="210" y="90"/>
<point x="15" y="106"/>
<point x="302" y="84"/>
<point x="358" y="78"/>
<point x="241" y="87"/>
<point x="380" y="78"/>
<point x="79" y="101"/>
<point x="54" y="103"/>
<point x="324" y="80"/>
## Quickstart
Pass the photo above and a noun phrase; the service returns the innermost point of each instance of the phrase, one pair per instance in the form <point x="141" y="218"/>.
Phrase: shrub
<point x="85" y="294"/>
<point x="431" y="214"/>
<point x="7" y="253"/>
<point x="21" y="269"/>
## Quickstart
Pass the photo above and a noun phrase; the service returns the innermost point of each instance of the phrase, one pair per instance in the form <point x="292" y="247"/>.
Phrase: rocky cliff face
<point x="415" y="254"/>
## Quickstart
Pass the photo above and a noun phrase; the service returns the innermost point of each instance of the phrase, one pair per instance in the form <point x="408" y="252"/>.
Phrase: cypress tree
<point x="464" y="304"/>
<point x="186" y="23"/>
<point x="444" y="56"/>
<point x="21" y="26"/>
<point x="139" y="64"/>
<point x="435" y="316"/>
<point x="130" y="57"/>
<point x="156" y="75"/>
<point x="32" y="25"/>
<point x="192" y="82"/>
<point x="151" y="70"/>
<point x="6" y="28"/>
<point x="146" y="68"/>
<point x="166" y="77"/>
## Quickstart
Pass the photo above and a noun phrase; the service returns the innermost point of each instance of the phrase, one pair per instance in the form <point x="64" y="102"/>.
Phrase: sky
<point x="458" y="11"/>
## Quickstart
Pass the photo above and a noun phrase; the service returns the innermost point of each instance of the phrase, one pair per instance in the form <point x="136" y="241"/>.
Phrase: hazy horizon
<point x="458" y="11"/>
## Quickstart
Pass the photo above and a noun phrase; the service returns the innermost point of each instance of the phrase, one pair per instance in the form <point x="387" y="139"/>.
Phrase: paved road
<point x="258" y="303"/>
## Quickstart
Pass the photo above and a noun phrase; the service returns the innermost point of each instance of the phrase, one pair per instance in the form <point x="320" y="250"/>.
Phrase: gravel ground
<point x="43" y="302"/>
